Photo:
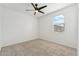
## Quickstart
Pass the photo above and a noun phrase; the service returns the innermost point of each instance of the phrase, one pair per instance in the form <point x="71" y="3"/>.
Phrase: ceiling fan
<point x="37" y="9"/>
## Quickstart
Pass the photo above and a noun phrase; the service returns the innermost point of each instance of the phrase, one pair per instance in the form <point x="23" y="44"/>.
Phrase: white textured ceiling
<point x="21" y="7"/>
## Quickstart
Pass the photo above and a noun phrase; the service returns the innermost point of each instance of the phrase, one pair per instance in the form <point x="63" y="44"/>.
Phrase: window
<point x="59" y="23"/>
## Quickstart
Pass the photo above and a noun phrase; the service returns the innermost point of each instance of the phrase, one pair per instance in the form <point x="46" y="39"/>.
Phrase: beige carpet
<point x="38" y="48"/>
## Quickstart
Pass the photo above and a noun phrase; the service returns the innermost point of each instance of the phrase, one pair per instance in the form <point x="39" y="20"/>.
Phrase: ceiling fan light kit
<point x="36" y="11"/>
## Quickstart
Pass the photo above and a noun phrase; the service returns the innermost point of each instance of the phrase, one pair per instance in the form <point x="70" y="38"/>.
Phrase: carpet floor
<point x="38" y="47"/>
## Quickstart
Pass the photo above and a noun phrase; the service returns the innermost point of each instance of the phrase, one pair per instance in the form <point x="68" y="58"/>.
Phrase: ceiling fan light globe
<point x="36" y="11"/>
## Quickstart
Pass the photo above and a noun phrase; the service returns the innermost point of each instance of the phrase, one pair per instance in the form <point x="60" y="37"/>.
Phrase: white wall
<point x="69" y="36"/>
<point x="78" y="25"/>
<point x="0" y="27"/>
<point x="17" y="27"/>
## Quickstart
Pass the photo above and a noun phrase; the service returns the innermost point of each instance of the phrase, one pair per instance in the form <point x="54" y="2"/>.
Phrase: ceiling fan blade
<point x="35" y="13"/>
<point x="42" y="7"/>
<point x="33" y="6"/>
<point x="41" y="12"/>
<point x="29" y="10"/>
